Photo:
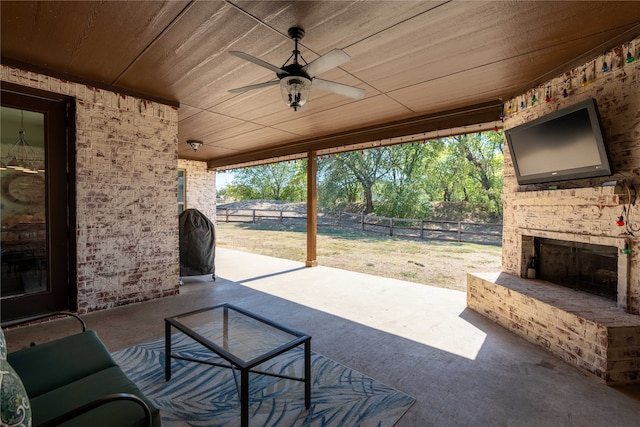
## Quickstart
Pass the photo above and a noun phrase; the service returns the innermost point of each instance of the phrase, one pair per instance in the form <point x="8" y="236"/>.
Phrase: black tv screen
<point x="566" y="144"/>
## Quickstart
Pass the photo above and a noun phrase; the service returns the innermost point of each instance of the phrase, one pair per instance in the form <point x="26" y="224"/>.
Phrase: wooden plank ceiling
<point x="417" y="60"/>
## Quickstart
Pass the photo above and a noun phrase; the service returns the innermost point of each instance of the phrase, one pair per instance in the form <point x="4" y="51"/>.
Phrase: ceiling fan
<point x="296" y="79"/>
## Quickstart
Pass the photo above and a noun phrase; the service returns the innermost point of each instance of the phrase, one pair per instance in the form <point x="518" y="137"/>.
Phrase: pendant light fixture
<point x="21" y="156"/>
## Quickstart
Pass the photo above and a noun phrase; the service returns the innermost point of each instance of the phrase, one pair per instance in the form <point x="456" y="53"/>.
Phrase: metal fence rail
<point x="455" y="231"/>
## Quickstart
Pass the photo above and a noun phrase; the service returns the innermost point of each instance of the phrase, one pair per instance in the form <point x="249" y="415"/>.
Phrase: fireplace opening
<point x="580" y="266"/>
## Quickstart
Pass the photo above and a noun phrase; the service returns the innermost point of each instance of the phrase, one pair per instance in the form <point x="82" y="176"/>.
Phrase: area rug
<point x="201" y="395"/>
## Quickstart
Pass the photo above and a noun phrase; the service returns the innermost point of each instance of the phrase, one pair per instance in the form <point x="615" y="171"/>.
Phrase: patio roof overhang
<point x="419" y="62"/>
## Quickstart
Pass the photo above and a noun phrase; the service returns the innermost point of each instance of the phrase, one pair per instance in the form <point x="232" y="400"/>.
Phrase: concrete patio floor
<point x="463" y="369"/>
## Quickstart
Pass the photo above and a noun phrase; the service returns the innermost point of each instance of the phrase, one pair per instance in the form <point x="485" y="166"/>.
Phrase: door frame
<point x="60" y="120"/>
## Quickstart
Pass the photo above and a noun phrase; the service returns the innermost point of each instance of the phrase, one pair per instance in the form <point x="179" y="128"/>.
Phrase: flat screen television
<point x="566" y="144"/>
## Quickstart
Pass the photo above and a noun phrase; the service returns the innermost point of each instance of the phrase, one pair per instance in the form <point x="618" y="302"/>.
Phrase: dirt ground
<point x="435" y="263"/>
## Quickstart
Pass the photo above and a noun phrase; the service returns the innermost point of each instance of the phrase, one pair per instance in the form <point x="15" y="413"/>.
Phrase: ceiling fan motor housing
<point x="296" y="33"/>
<point x="293" y="70"/>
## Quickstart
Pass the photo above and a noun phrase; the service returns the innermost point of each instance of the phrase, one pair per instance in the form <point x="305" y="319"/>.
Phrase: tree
<point x="335" y="185"/>
<point x="483" y="154"/>
<point x="367" y="167"/>
<point x="401" y="189"/>
<point x="445" y="176"/>
<point x="401" y="180"/>
<point x="277" y="181"/>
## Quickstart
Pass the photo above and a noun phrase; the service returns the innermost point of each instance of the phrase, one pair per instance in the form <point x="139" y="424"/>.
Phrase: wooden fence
<point x="456" y="231"/>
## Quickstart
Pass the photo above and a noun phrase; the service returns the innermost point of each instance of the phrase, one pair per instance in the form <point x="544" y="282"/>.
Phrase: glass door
<point x="23" y="203"/>
<point x="34" y="202"/>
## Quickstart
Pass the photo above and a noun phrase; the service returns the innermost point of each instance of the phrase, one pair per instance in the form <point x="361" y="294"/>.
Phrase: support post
<point x="312" y="205"/>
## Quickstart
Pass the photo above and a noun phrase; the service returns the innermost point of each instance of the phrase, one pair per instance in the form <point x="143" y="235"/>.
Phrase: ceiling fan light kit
<point x="295" y="91"/>
<point x="296" y="80"/>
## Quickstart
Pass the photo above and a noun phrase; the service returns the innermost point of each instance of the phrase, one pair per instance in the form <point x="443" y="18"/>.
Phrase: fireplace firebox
<point x="584" y="267"/>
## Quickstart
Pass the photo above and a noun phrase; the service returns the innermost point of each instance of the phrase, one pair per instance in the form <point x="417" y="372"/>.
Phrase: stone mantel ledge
<point x="617" y="241"/>
<point x="587" y="196"/>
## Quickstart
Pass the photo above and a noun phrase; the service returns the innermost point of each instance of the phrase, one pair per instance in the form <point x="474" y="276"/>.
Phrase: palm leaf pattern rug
<point x="201" y="395"/>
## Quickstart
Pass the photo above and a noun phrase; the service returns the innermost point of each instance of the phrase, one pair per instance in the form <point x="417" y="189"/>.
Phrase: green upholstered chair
<point x="72" y="381"/>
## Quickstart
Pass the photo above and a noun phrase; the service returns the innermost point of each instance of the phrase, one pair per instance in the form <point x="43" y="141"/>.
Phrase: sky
<point x="223" y="179"/>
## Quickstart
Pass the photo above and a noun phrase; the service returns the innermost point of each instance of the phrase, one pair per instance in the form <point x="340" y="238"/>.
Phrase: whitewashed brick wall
<point x="126" y="193"/>
<point x="201" y="187"/>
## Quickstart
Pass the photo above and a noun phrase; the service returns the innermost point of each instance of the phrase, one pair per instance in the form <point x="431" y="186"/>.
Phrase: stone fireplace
<point x="584" y="302"/>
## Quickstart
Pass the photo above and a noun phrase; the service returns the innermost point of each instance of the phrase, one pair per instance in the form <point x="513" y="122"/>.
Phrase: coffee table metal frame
<point x="235" y="363"/>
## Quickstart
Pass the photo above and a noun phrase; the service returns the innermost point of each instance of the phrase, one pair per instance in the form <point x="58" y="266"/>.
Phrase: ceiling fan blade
<point x="257" y="61"/>
<point x="326" y="62"/>
<point x="339" y="88"/>
<point x="255" y="86"/>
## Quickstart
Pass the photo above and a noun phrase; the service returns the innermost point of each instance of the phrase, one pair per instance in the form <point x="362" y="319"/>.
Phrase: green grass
<point x="431" y="262"/>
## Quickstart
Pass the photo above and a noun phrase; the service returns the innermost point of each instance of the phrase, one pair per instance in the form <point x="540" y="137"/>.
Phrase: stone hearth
<point x="587" y="331"/>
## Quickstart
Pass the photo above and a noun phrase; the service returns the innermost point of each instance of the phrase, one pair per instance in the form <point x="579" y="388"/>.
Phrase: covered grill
<point x="197" y="244"/>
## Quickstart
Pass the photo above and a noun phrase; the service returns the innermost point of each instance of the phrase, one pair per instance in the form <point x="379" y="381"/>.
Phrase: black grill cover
<point x="197" y="244"/>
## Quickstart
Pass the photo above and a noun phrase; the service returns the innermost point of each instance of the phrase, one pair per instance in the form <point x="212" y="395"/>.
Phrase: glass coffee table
<point x="243" y="339"/>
